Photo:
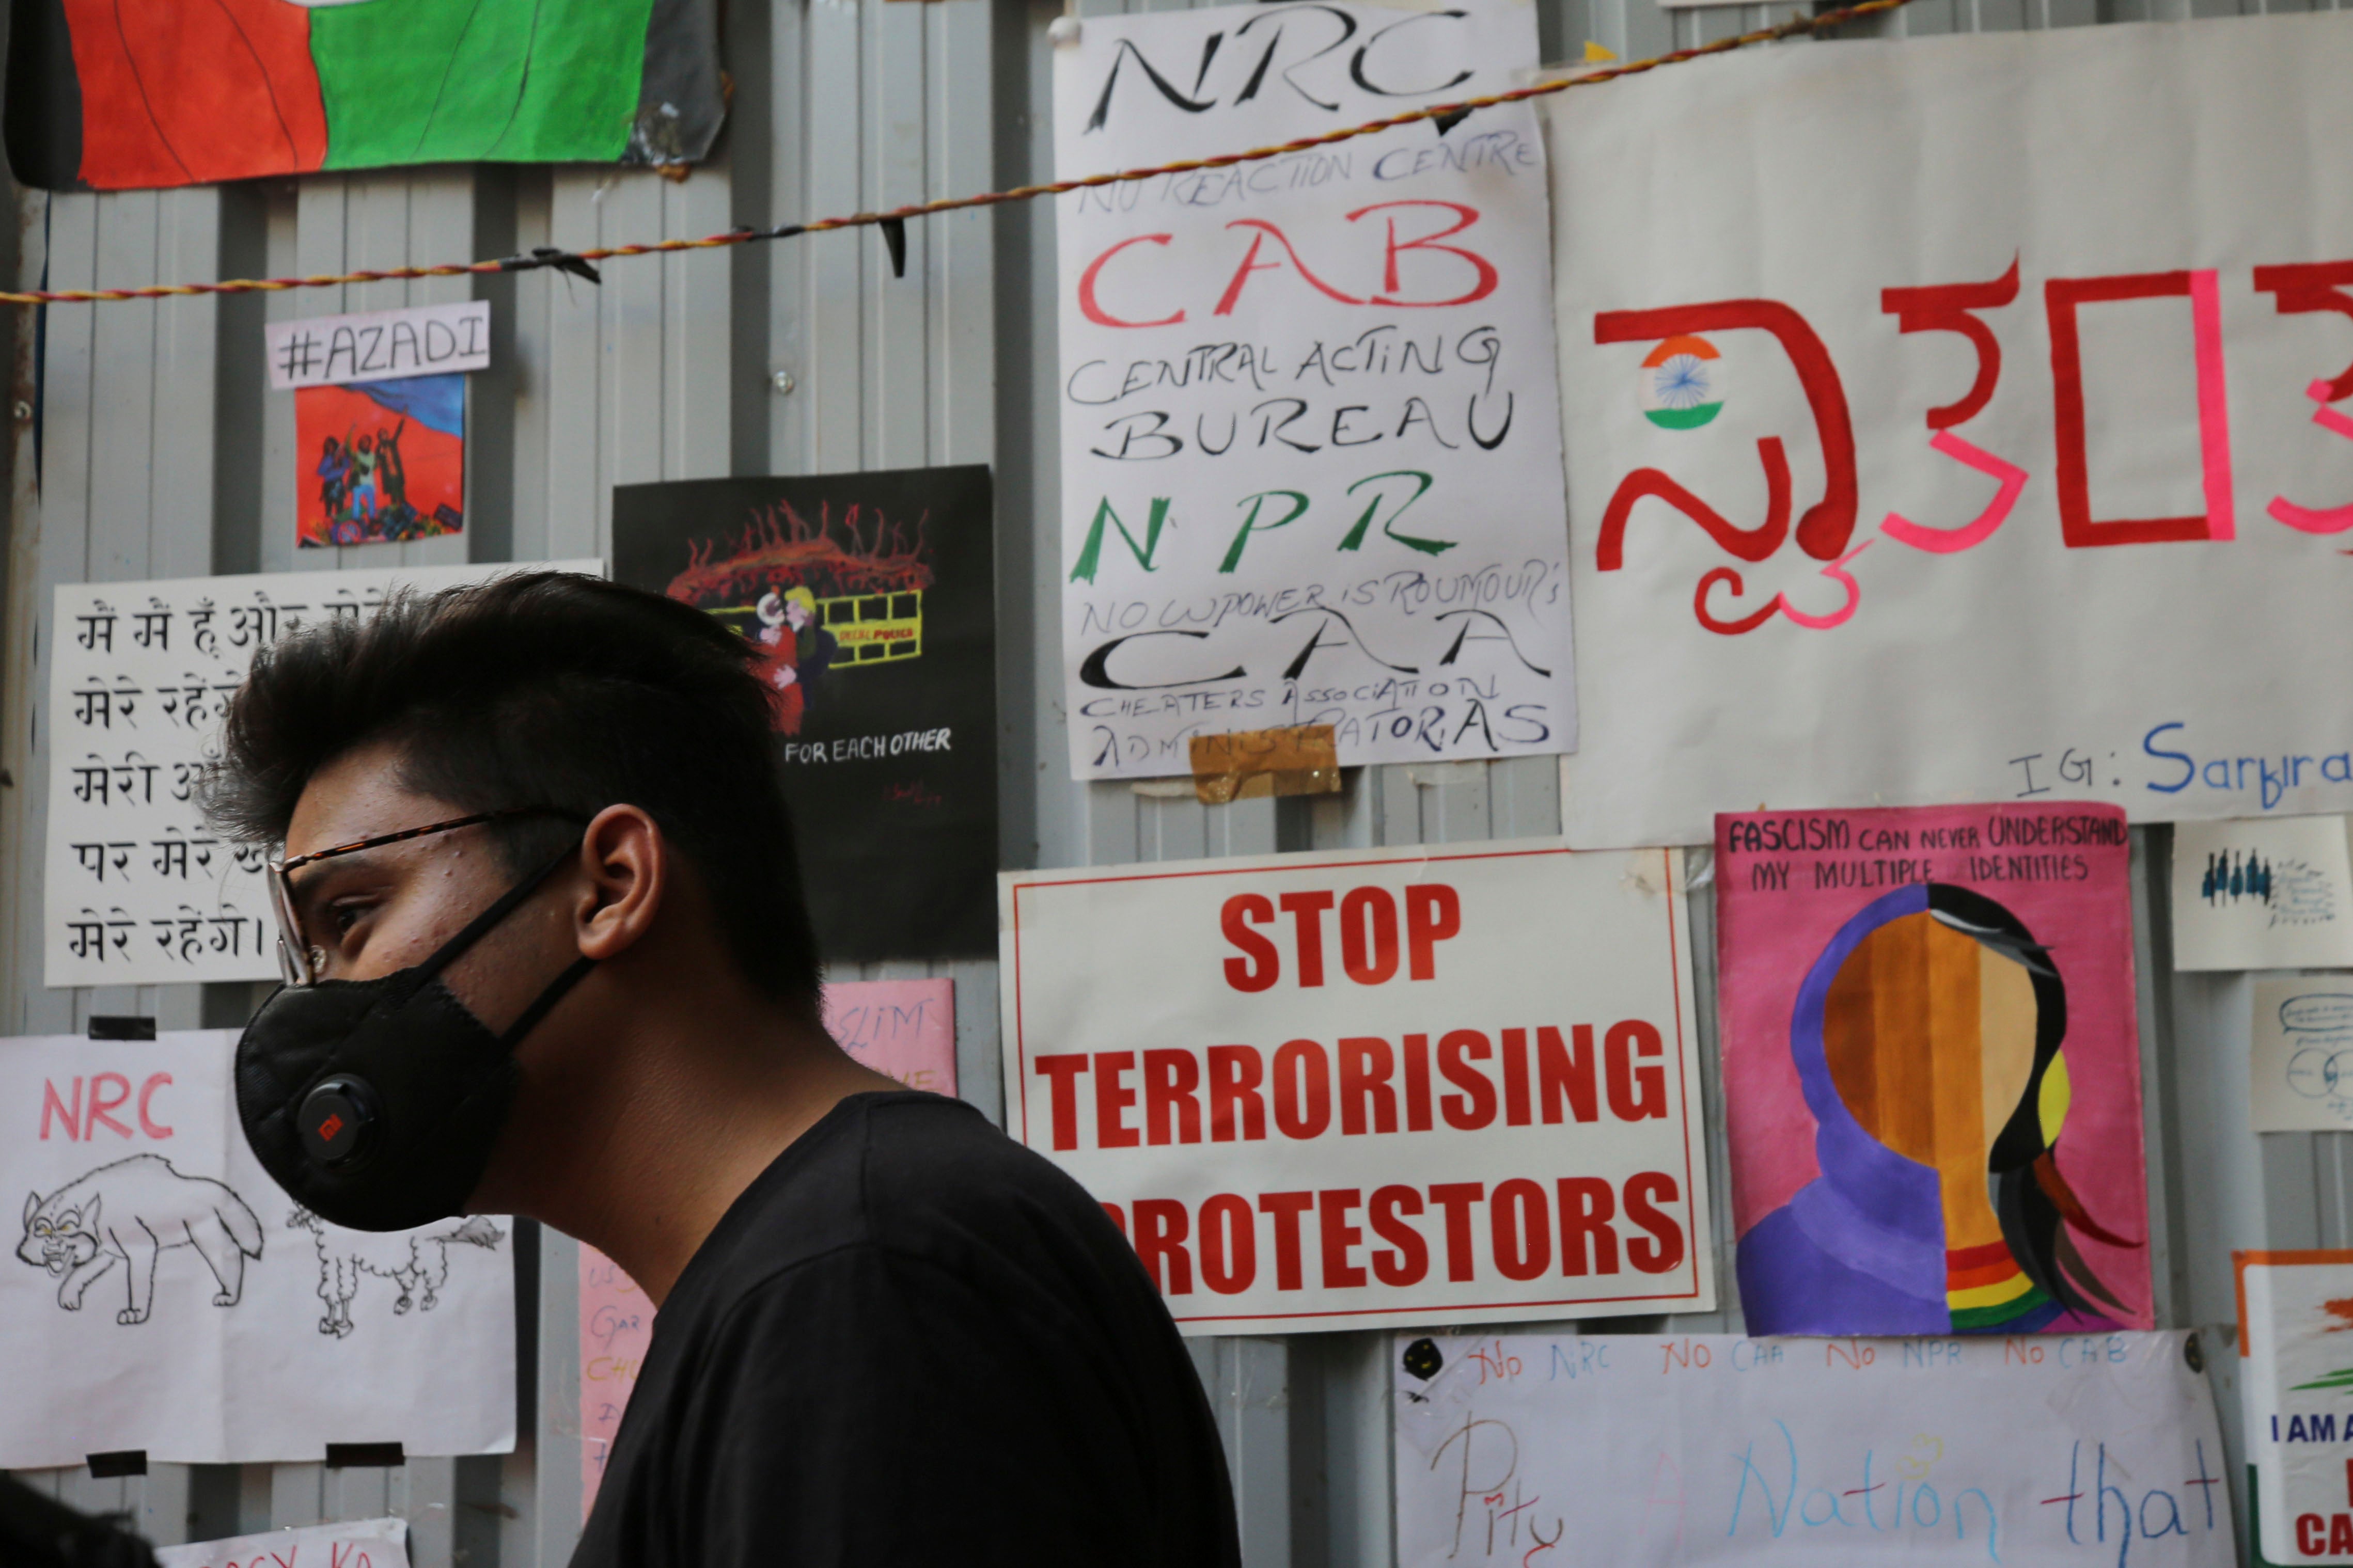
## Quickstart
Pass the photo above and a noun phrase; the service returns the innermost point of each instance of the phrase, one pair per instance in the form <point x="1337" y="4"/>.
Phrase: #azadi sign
<point x="136" y="94"/>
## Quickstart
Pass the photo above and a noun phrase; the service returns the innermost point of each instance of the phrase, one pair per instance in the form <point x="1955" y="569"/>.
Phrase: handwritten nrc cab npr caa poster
<point x="1372" y="1087"/>
<point x="1311" y="437"/>
<point x="2023" y="389"/>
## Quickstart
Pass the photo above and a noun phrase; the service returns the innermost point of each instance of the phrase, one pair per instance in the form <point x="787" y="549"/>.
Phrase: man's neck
<point x="666" y="1118"/>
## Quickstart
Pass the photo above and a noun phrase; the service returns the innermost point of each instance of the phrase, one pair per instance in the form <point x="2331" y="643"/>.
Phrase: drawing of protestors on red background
<point x="392" y="461"/>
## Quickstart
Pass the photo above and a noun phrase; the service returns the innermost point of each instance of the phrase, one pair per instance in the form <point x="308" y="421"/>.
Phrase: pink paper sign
<point x="902" y="1028"/>
<point x="617" y="1324"/>
<point x="1932" y="1070"/>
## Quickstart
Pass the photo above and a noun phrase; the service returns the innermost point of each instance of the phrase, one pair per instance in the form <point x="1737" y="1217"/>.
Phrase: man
<point x="534" y="845"/>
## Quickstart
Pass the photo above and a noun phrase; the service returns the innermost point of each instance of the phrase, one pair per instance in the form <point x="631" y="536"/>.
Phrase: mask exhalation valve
<point x="336" y="1119"/>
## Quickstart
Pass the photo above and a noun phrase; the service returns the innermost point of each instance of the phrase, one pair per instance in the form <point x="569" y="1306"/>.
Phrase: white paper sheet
<point x="2300" y="1053"/>
<point x="138" y="891"/>
<point x="1311" y="452"/>
<point x="360" y="1544"/>
<point x="1442" y="1084"/>
<point x="378" y="345"/>
<point x="1704" y="1449"/>
<point x="2117" y="580"/>
<point x="166" y="1295"/>
<point x="2273" y="893"/>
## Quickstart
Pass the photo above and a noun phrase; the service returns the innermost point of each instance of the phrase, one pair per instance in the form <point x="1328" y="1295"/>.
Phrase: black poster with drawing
<point x="872" y="598"/>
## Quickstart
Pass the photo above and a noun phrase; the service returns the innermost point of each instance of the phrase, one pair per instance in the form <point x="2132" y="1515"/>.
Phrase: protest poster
<point x="1311" y="452"/>
<point x="2271" y="893"/>
<point x="354" y="1543"/>
<point x="2293" y="1371"/>
<point x="380" y="462"/>
<point x="1424" y="1085"/>
<point x="1921" y="453"/>
<point x="379" y="420"/>
<point x="1655" y="1450"/>
<point x="1932" y="1070"/>
<point x="109" y="98"/>
<point x="167" y="1296"/>
<point x="872" y="598"/>
<point x="378" y="345"/>
<point x="2300" y="1055"/>
<point x="616" y="1329"/>
<point x="903" y="1028"/>
<point x="138" y="891"/>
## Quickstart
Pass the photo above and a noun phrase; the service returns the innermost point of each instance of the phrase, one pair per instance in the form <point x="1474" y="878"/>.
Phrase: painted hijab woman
<point x="1927" y="1038"/>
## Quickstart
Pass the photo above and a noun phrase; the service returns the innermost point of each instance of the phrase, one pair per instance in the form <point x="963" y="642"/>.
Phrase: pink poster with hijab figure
<point x="1932" y="1070"/>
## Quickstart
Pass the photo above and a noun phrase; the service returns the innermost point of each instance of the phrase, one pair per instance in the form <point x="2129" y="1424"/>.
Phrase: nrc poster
<point x="872" y="598"/>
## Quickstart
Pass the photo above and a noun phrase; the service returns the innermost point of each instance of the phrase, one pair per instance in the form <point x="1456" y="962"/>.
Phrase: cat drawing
<point x="130" y="1213"/>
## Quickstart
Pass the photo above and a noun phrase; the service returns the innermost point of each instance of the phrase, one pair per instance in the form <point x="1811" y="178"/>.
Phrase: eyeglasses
<point x="301" y="962"/>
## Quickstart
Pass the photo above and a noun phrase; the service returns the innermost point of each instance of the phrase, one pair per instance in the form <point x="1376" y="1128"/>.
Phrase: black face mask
<point x="375" y="1103"/>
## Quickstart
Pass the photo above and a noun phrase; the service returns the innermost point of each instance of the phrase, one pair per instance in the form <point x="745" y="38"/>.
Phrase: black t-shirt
<point x="913" y="1340"/>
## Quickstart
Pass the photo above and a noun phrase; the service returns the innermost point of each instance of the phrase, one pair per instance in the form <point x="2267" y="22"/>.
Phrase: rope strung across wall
<point x="582" y="263"/>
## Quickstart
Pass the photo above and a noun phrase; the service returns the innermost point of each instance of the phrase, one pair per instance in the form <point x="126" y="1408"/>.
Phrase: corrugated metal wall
<point x="145" y="444"/>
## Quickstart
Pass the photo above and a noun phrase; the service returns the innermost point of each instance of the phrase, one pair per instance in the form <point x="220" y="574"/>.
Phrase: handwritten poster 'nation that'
<point x="1311" y="453"/>
<point x="139" y="890"/>
<point x="1978" y="434"/>
<point x="1692" y="1449"/>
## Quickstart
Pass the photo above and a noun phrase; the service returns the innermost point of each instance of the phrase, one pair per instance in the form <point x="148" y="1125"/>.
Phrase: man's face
<point x="383" y="909"/>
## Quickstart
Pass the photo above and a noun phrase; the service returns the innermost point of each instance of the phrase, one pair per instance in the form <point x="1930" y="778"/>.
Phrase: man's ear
<point x="628" y="863"/>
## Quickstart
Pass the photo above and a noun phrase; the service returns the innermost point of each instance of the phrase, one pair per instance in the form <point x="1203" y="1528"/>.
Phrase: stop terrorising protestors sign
<point x="1343" y="1090"/>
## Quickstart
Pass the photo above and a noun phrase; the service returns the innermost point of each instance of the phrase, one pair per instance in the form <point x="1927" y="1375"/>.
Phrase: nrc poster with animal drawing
<point x="166" y="1295"/>
<point x="1932" y="1070"/>
<point x="1978" y="432"/>
<point x="871" y="600"/>
<point x="1311" y="439"/>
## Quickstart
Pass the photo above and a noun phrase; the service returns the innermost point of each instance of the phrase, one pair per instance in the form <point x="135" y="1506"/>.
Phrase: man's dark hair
<point x="542" y="689"/>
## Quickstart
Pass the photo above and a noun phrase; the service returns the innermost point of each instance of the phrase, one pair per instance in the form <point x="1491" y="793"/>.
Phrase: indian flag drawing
<point x="1683" y="383"/>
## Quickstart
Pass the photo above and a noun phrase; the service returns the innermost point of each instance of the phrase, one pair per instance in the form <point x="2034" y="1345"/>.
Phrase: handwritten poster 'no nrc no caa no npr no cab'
<point x="1372" y="1087"/>
<point x="2093" y="1449"/>
<point x="2001" y="451"/>
<point x="1311" y="441"/>
<point x="139" y="890"/>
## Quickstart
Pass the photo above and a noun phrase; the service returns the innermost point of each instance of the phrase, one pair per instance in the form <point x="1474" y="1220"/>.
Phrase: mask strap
<point x="505" y="906"/>
<point x="547" y="999"/>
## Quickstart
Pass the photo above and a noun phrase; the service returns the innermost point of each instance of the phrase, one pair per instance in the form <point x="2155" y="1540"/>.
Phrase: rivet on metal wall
<point x="784" y="381"/>
<point x="22" y="411"/>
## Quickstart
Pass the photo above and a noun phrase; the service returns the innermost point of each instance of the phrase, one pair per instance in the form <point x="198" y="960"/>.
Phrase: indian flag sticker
<point x="1683" y="383"/>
